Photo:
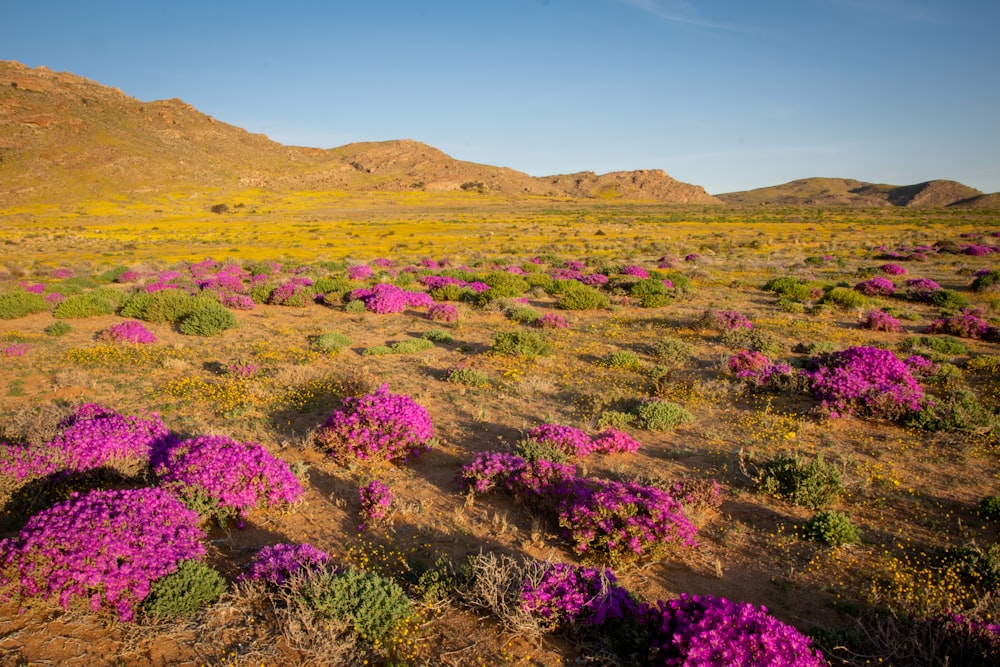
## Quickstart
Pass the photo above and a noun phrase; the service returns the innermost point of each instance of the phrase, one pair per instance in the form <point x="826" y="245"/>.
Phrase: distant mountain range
<point x="64" y="138"/>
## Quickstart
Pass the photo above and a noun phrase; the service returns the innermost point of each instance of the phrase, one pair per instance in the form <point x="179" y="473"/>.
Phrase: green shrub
<point x="261" y="292"/>
<point x="437" y="336"/>
<point x="977" y="563"/>
<point x="376" y="607"/>
<point x="790" y="288"/>
<point x="538" y="279"/>
<point x="984" y="363"/>
<point x="958" y="411"/>
<point x="79" y="306"/>
<point x="169" y="305"/>
<point x="620" y="359"/>
<point x="503" y="285"/>
<point x="989" y="508"/>
<point x="330" y="342"/>
<point x="451" y="293"/>
<point x="112" y="275"/>
<point x="813" y="484"/>
<point x="581" y="297"/>
<point x="57" y="329"/>
<point x="986" y="280"/>
<point x="15" y="304"/>
<point x="208" y="320"/>
<point x="411" y="346"/>
<point x="816" y="348"/>
<point x="947" y="299"/>
<point x="757" y="340"/>
<point x="935" y="348"/>
<point x="523" y="314"/>
<point x="615" y="419"/>
<point x="468" y="377"/>
<point x="682" y="284"/>
<point x="786" y="305"/>
<point x="832" y="528"/>
<point x="355" y="307"/>
<point x="520" y="344"/>
<point x="845" y="298"/>
<point x="376" y="351"/>
<point x="657" y="415"/>
<point x="672" y="351"/>
<point x="192" y="586"/>
<point x="651" y="292"/>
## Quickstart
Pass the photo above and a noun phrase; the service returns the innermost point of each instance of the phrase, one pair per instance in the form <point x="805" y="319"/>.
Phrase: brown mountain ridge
<point x="64" y="138"/>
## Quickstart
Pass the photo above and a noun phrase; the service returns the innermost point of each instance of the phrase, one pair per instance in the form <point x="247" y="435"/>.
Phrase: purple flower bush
<point x="756" y="369"/>
<point x="360" y="272"/>
<point x="707" y="631"/>
<point x="604" y="520"/>
<point x="105" y="547"/>
<point x="920" y="289"/>
<point x="867" y="381"/>
<point x="376" y="503"/>
<point x="727" y="320"/>
<point x="573" y="595"/>
<point x="550" y="321"/>
<point x="575" y="442"/>
<point x="877" y="286"/>
<point x="275" y="564"/>
<point x="379" y="425"/>
<point x="879" y="320"/>
<point x="634" y="270"/>
<point x="968" y="324"/>
<point x="892" y="270"/>
<point x="442" y="312"/>
<point x="16" y="350"/>
<point x="233" y="476"/>
<point x="91" y="437"/>
<point x="130" y="331"/>
<point x="387" y="298"/>
<point x="621" y="522"/>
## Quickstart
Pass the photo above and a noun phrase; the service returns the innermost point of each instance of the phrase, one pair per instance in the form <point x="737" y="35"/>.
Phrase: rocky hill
<point x="850" y="193"/>
<point x="64" y="138"/>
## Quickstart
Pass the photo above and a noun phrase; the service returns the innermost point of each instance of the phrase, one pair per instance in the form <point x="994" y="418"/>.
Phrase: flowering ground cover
<point x="691" y="434"/>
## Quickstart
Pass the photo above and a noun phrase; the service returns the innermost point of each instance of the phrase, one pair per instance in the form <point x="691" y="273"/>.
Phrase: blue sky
<point x="727" y="94"/>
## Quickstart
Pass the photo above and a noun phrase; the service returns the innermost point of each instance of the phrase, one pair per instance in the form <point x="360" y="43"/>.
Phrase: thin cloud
<point x="675" y="12"/>
<point x="903" y="10"/>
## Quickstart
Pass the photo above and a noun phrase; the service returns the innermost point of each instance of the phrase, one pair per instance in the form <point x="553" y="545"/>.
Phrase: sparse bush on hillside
<point x="520" y="344"/>
<point x="84" y="305"/>
<point x="331" y="342"/>
<point x="845" y="298"/>
<point x="832" y="528"/>
<point x="208" y="320"/>
<point x="657" y="415"/>
<point x="581" y="297"/>
<point x="18" y="303"/>
<point x="813" y="484"/>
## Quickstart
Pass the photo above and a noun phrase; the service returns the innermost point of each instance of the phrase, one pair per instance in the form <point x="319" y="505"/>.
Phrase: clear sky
<point x="727" y="94"/>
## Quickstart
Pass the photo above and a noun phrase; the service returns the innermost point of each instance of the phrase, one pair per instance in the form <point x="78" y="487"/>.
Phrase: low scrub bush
<point x="184" y="591"/>
<point x="331" y="342"/>
<point x="986" y="281"/>
<point x="947" y="299"/>
<point x="467" y="376"/>
<point x="59" y="328"/>
<point x="832" y="528"/>
<point x="84" y="305"/>
<point x="520" y="344"/>
<point x="657" y="415"/>
<point x="844" y="298"/>
<point x="18" y="303"/>
<point x="672" y="351"/>
<point x="577" y="296"/>
<point x="813" y="484"/>
<point x="437" y="336"/>
<point x="208" y="320"/>
<point x="755" y="340"/>
<point x="623" y="359"/>
<point x="866" y="381"/>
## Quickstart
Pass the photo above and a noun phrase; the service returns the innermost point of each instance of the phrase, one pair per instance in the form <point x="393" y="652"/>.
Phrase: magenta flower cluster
<point x="603" y="519"/>
<point x="129" y="331"/>
<point x="879" y="320"/>
<point x="275" y="564"/>
<point x="707" y="631"/>
<point x="575" y="442"/>
<point x="360" y="272"/>
<point x="551" y="321"/>
<point x="237" y="476"/>
<point x="16" y="350"/>
<point x="892" y="270"/>
<point x="387" y="298"/>
<point x="728" y="320"/>
<point x="575" y="595"/>
<point x="967" y="324"/>
<point x="877" y="286"/>
<point x="636" y="271"/>
<point x="379" y="425"/>
<point x="376" y="503"/>
<point x="920" y="289"/>
<point x="105" y="547"/>
<point x="867" y="381"/>
<point x="442" y="312"/>
<point x="755" y="368"/>
<point x="91" y="437"/>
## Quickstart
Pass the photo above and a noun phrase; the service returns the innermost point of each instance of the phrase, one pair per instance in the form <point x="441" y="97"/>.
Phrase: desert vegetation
<point x="409" y="429"/>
